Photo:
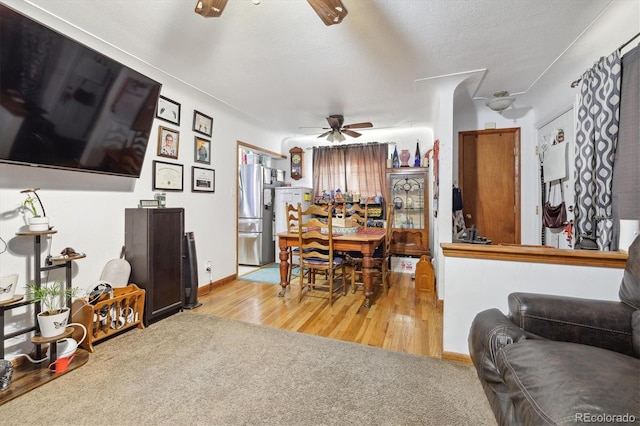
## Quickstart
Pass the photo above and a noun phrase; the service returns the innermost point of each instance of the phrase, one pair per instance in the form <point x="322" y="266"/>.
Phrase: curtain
<point x="329" y="169"/>
<point x="366" y="167"/>
<point x="626" y="175"/>
<point x="350" y="168"/>
<point x="596" y="139"/>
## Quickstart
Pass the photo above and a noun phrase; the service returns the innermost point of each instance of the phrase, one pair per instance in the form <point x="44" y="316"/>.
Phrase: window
<point x="351" y="168"/>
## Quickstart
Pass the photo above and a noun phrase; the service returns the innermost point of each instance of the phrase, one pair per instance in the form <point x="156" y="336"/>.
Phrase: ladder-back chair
<point x="315" y="241"/>
<point x="381" y="257"/>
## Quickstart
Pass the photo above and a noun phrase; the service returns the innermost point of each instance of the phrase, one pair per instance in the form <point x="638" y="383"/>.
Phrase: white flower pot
<point x="39" y="223"/>
<point x="53" y="325"/>
<point x="8" y="285"/>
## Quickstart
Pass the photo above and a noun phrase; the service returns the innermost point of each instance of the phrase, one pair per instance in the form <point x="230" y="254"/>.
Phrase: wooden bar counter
<point x="536" y="254"/>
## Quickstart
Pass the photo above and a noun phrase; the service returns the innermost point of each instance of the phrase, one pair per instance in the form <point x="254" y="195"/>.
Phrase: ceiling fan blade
<point x="210" y="8"/>
<point x="330" y="11"/>
<point x="335" y="121"/>
<point x="358" y="125"/>
<point x="325" y="134"/>
<point x="351" y="133"/>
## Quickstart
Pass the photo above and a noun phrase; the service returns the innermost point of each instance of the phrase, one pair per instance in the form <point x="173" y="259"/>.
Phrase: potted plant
<point x="54" y="315"/>
<point x="37" y="222"/>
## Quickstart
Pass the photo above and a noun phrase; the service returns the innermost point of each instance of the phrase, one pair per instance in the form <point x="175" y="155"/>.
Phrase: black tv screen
<point x="67" y="106"/>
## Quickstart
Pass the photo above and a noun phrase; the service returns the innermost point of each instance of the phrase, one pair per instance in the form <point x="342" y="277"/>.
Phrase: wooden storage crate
<point x="109" y="316"/>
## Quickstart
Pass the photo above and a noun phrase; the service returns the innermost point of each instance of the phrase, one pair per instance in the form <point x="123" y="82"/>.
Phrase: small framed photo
<point x="202" y="123"/>
<point x="167" y="176"/>
<point x="203" y="180"/>
<point x="202" y="150"/>
<point x="168" y="142"/>
<point x="168" y="110"/>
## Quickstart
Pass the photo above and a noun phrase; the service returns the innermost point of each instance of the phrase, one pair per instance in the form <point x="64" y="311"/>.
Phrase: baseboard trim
<point x="456" y="357"/>
<point x="206" y="289"/>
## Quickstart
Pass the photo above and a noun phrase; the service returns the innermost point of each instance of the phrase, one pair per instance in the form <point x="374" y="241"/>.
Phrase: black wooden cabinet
<point x="154" y="246"/>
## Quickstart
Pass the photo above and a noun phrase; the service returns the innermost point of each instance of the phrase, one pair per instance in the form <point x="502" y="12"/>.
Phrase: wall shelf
<point x="28" y="376"/>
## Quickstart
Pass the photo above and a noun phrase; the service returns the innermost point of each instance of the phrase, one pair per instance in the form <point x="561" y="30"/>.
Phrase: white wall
<point x="87" y="210"/>
<point x="474" y="285"/>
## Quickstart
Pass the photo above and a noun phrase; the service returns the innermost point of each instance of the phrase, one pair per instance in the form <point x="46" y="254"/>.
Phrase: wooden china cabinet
<point x="408" y="192"/>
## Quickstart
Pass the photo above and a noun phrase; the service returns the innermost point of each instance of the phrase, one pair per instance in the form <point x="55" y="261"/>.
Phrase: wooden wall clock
<point x="296" y="162"/>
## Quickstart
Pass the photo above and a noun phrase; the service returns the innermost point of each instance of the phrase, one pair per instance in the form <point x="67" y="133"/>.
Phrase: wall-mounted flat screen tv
<point x="67" y="106"/>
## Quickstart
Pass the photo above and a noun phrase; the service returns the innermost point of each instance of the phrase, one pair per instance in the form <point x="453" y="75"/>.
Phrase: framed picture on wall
<point x="167" y="176"/>
<point x="168" y="110"/>
<point x="202" y="149"/>
<point x="203" y="180"/>
<point x="168" y="142"/>
<point x="202" y="123"/>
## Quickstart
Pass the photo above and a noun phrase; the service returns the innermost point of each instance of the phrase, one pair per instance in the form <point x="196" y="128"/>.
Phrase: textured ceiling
<point x="277" y="61"/>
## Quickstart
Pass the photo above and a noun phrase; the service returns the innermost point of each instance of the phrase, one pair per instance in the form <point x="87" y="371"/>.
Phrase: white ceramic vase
<point x="8" y="284"/>
<point x="53" y="325"/>
<point x="38" y="223"/>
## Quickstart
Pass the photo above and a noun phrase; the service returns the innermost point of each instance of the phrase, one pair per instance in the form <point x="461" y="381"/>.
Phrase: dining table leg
<point x="284" y="267"/>
<point x="367" y="277"/>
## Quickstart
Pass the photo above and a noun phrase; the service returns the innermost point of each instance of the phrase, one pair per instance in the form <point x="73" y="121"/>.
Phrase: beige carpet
<point x="194" y="369"/>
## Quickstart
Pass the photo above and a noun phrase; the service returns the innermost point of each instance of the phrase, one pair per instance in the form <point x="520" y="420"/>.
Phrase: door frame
<point x="244" y="145"/>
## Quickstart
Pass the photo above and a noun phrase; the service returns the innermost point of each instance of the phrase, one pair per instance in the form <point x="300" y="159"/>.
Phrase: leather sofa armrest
<point x="601" y="323"/>
<point x="490" y="331"/>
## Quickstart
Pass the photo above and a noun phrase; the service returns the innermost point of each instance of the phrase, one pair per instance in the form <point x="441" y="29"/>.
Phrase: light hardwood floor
<point x="403" y="321"/>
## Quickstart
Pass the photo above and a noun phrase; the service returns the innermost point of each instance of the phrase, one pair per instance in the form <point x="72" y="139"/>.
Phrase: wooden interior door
<point x="489" y="177"/>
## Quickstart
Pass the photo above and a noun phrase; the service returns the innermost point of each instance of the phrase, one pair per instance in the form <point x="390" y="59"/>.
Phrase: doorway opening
<point x="489" y="177"/>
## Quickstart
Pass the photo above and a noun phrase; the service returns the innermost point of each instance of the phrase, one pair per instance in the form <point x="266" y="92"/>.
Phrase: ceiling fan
<point x="330" y="11"/>
<point x="336" y="129"/>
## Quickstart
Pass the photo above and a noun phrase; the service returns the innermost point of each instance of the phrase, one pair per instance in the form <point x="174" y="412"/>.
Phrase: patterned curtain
<point x="596" y="138"/>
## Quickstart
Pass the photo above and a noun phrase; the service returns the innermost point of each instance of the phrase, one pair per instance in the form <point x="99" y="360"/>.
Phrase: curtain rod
<point x="622" y="46"/>
<point x="309" y="148"/>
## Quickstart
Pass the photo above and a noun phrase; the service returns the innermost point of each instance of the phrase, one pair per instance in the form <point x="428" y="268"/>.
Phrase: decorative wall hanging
<point x="203" y="180"/>
<point x="202" y="148"/>
<point x="168" y="142"/>
<point x="168" y="110"/>
<point x="167" y="176"/>
<point x="202" y="123"/>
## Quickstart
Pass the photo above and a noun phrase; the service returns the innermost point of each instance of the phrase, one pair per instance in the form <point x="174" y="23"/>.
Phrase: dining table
<point x="365" y="241"/>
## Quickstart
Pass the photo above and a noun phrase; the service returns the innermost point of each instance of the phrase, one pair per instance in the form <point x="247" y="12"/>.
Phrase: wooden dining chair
<point x="381" y="257"/>
<point x="292" y="223"/>
<point x="359" y="214"/>
<point x="315" y="240"/>
<point x="313" y="210"/>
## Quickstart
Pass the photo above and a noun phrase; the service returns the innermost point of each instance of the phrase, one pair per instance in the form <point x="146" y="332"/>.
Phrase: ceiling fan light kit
<point x="501" y="101"/>
<point x="335" y="136"/>
<point x="330" y="11"/>
<point x="210" y="8"/>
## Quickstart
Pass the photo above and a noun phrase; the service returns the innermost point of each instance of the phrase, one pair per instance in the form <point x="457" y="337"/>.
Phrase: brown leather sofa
<point x="563" y="360"/>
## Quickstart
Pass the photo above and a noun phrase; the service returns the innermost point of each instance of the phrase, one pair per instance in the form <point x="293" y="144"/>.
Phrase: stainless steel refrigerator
<point x="255" y="214"/>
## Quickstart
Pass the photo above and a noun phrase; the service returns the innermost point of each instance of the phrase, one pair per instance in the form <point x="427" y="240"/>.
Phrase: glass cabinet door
<point x="408" y="192"/>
